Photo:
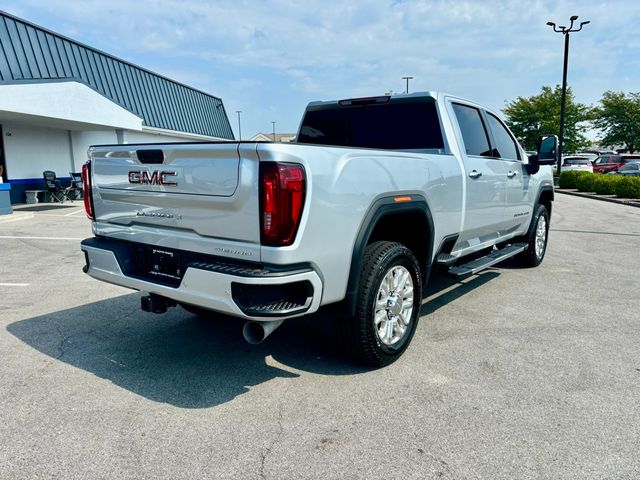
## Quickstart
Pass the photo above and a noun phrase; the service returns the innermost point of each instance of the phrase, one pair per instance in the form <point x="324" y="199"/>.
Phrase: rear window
<point x="393" y="126"/>
<point x="577" y="161"/>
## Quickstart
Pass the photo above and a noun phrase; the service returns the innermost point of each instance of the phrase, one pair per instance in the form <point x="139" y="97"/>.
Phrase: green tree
<point x="618" y="118"/>
<point x="530" y="117"/>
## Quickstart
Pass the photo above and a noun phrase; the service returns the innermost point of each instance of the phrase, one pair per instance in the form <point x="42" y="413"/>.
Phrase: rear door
<point x="485" y="178"/>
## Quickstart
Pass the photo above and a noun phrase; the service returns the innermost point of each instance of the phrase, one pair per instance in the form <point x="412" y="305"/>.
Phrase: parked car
<point x="611" y="163"/>
<point x="631" y="169"/>
<point x="575" y="162"/>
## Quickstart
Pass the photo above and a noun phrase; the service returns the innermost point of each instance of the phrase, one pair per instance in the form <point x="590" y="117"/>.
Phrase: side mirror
<point x="548" y="150"/>
<point x="547" y="153"/>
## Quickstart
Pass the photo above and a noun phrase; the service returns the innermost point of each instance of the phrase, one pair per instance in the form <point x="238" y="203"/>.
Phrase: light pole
<point x="565" y="31"/>
<point x="274" y="130"/>
<point x="239" y="127"/>
<point x="407" y="79"/>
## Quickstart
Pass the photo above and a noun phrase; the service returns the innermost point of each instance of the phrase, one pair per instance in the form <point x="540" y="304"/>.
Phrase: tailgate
<point x="198" y="197"/>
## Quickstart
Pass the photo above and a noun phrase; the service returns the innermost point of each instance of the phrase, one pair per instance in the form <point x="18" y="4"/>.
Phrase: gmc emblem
<point x="156" y="178"/>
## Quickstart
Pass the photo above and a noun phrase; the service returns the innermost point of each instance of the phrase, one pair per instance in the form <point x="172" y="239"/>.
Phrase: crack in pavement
<point x="65" y="338"/>
<point x="267" y="451"/>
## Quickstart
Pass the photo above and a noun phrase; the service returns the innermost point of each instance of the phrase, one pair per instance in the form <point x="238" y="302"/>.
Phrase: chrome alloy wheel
<point x="394" y="305"/>
<point x="541" y="236"/>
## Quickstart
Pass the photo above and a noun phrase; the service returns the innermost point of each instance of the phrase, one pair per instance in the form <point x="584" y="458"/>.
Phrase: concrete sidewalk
<point x="605" y="198"/>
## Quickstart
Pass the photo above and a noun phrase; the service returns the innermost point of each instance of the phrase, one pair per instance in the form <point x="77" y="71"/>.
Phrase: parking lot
<point x="513" y="373"/>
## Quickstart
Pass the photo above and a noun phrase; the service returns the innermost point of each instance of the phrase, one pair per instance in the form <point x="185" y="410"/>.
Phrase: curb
<point x="602" y="198"/>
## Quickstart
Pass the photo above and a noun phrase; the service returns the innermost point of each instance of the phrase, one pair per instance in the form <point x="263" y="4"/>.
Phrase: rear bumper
<point x="253" y="293"/>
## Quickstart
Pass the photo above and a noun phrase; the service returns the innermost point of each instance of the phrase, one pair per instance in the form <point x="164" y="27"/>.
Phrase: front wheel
<point x="536" y="238"/>
<point x="388" y="304"/>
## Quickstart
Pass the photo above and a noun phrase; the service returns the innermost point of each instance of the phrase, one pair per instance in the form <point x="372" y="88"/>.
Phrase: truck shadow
<point x="191" y="362"/>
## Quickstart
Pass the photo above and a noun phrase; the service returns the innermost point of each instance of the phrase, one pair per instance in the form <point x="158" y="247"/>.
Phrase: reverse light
<point x="282" y="191"/>
<point x="86" y="191"/>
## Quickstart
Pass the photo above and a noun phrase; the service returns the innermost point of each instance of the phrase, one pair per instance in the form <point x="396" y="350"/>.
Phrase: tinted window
<point x="599" y="160"/>
<point x="393" y="125"/>
<point x="577" y="161"/>
<point x="504" y="143"/>
<point x="474" y="134"/>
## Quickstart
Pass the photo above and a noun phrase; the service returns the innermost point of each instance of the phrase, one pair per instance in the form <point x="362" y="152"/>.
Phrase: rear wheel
<point x="388" y="304"/>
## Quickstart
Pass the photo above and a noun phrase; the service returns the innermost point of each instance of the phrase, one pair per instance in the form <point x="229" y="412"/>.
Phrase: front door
<point x="517" y="211"/>
<point x="485" y="179"/>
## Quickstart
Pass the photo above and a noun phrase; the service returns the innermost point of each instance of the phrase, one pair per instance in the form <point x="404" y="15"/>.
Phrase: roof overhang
<point x="69" y="105"/>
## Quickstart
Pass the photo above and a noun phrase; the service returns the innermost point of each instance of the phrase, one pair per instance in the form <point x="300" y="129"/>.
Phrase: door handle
<point x="475" y="174"/>
<point x="511" y="174"/>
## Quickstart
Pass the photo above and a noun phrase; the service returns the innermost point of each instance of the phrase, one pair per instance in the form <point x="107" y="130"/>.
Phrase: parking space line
<point x="14" y="284"/>
<point x="11" y="237"/>
<point x="74" y="213"/>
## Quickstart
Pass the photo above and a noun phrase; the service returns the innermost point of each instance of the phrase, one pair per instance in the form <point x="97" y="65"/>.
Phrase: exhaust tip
<point x="255" y="332"/>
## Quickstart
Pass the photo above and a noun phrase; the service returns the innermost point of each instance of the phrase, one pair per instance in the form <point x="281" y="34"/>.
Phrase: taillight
<point x="86" y="189"/>
<point x="282" y="190"/>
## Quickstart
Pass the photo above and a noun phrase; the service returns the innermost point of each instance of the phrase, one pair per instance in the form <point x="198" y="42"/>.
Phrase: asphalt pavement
<point x="512" y="374"/>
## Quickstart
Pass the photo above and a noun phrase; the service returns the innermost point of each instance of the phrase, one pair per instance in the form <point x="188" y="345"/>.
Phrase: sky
<point x="270" y="58"/>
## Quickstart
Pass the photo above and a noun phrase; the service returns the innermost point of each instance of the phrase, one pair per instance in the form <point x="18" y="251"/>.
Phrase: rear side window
<point x="474" y="134"/>
<point x="392" y="125"/>
<point x="505" y="145"/>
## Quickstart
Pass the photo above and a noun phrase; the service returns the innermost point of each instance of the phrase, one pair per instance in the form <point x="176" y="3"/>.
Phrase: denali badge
<point x="156" y="178"/>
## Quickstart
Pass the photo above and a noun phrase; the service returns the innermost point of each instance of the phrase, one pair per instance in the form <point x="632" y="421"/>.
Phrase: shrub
<point x="568" y="179"/>
<point x="628" y="187"/>
<point x="584" y="183"/>
<point x="605" y="184"/>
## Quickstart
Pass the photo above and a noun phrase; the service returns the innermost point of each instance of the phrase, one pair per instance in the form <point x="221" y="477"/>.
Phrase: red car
<point x="611" y="163"/>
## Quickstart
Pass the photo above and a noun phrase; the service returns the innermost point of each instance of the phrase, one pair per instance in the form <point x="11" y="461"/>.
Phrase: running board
<point x="463" y="271"/>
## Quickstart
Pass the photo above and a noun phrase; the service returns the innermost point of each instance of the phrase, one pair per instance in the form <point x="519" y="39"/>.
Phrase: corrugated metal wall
<point x="28" y="52"/>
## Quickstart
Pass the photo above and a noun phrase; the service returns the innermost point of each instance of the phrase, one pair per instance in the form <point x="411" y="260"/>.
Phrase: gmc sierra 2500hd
<point x="373" y="193"/>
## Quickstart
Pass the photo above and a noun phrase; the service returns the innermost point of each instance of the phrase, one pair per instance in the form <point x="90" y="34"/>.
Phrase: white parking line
<point x="11" y="237"/>
<point x="74" y="213"/>
<point x="14" y="284"/>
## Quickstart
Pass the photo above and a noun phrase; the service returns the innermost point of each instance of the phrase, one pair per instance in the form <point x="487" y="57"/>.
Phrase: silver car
<point x="576" y="162"/>
<point x="631" y="169"/>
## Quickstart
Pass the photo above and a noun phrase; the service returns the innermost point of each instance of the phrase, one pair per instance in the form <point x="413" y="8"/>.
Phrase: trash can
<point x="5" y="199"/>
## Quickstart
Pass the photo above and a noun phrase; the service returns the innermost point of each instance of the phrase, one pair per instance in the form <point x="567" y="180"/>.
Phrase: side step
<point x="463" y="271"/>
<point x="446" y="259"/>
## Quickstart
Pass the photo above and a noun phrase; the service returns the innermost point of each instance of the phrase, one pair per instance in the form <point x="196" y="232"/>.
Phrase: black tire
<point x="198" y="311"/>
<point x="530" y="258"/>
<point x="363" y="339"/>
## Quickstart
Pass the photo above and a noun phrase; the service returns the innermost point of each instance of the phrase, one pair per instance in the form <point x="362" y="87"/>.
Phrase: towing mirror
<point x="547" y="153"/>
<point x="548" y="150"/>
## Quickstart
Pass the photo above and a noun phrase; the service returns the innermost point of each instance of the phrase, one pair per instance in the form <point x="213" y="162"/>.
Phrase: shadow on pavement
<point x="442" y="290"/>
<point x="178" y="358"/>
<point x="191" y="362"/>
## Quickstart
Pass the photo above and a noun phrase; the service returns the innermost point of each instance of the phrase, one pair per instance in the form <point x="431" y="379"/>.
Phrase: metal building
<point x="58" y="97"/>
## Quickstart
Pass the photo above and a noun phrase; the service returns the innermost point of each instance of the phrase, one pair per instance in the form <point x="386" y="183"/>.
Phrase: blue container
<point x="5" y="199"/>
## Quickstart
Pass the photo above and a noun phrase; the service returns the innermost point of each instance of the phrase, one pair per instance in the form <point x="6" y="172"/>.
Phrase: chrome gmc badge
<point x="156" y="178"/>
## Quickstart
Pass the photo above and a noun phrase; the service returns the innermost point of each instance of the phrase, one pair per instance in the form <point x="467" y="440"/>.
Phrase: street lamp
<point x="565" y="31"/>
<point x="239" y="127"/>
<point x="407" y="79"/>
<point x="274" y="130"/>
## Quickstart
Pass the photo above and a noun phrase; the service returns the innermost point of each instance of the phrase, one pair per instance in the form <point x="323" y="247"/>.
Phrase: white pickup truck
<point x="356" y="212"/>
